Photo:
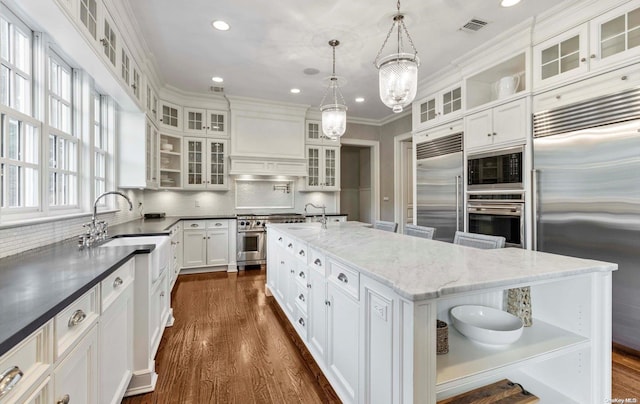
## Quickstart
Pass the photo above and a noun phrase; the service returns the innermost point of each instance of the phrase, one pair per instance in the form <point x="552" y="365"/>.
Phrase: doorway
<point x="404" y="189"/>
<point x="359" y="180"/>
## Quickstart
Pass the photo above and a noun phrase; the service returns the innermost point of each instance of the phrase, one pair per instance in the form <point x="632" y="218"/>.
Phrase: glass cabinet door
<point x="562" y="57"/>
<point x="195" y="163"/>
<point x="428" y="110"/>
<point x="452" y="100"/>
<point x="330" y="167"/>
<point x="615" y="35"/>
<point x="216" y="163"/>
<point x="217" y="124"/>
<point x="194" y="121"/>
<point x="313" y="166"/>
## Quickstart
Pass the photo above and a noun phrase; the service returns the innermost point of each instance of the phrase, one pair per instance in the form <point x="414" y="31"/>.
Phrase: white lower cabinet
<point x="342" y="348"/>
<point x="209" y="243"/>
<point x="317" y="332"/>
<point x="41" y="395"/>
<point x="195" y="248"/>
<point x="158" y="313"/>
<point x="75" y="379"/>
<point x="217" y="247"/>
<point x="116" y="334"/>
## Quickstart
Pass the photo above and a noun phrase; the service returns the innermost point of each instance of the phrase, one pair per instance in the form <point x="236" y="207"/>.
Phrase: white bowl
<point x="167" y="146"/>
<point x="486" y="325"/>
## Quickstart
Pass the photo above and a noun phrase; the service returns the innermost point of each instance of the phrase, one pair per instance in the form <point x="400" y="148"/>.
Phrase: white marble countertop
<point x="419" y="269"/>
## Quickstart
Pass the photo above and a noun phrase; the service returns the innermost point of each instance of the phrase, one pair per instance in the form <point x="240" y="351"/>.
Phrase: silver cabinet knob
<point x="342" y="277"/>
<point x="302" y="275"/>
<point x="301" y="297"/>
<point x="76" y="318"/>
<point x="301" y="321"/>
<point x="593" y="56"/>
<point x="583" y="60"/>
<point x="9" y="378"/>
<point x="318" y="262"/>
<point x="290" y="245"/>
<point x="117" y="282"/>
<point x="301" y="253"/>
<point x="489" y="134"/>
<point x="327" y="303"/>
<point x="279" y="238"/>
<point x="64" y="399"/>
<point x="308" y="286"/>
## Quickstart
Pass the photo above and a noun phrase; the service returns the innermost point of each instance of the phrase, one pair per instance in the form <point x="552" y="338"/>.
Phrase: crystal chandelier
<point x="398" y="72"/>
<point x="334" y="113"/>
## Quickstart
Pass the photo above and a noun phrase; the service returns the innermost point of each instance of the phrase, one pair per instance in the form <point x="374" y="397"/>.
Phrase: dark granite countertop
<point x="320" y="214"/>
<point x="38" y="284"/>
<point x="156" y="227"/>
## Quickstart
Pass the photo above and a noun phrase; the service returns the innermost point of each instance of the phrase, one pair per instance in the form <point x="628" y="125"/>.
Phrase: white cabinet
<point x="343" y="340"/>
<point x="151" y="156"/>
<point x="615" y="36"/>
<point x="75" y="379"/>
<point x="170" y="116"/>
<point x="152" y="103"/>
<point x="158" y="312"/>
<point x="323" y="168"/>
<point x="176" y="249"/>
<point x="109" y="38"/>
<point x="206" y="122"/>
<point x="138" y="155"/>
<point x="136" y="81"/>
<point x="435" y="108"/>
<point x="207" y="243"/>
<point x="116" y="334"/>
<point x="205" y="164"/>
<point x="502" y="125"/>
<point x="317" y="306"/>
<point x="563" y="57"/>
<point x="314" y="135"/>
<point x="170" y="161"/>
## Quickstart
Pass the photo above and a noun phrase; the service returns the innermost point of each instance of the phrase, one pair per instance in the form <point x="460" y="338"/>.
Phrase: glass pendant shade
<point x="398" y="80"/>
<point x="334" y="120"/>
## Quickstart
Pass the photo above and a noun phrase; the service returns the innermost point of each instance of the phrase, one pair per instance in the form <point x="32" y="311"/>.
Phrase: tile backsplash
<point x="14" y="240"/>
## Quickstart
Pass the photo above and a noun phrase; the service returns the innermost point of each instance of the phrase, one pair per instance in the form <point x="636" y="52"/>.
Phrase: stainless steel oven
<point x="495" y="170"/>
<point x="497" y="215"/>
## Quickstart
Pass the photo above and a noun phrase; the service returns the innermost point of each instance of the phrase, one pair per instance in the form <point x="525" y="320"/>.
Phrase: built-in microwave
<point x="495" y="170"/>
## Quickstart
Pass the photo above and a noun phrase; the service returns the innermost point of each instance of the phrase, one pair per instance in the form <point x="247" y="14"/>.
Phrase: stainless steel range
<point x="252" y="243"/>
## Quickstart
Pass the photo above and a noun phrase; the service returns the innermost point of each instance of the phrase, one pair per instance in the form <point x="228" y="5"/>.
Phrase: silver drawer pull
<point x="64" y="399"/>
<point x="195" y="225"/>
<point x="302" y="275"/>
<point x="76" y="318"/>
<point x="301" y="297"/>
<point x="318" y="262"/>
<point x="279" y="238"/>
<point x="9" y="378"/>
<point x="218" y="224"/>
<point x="301" y="321"/>
<point x="342" y="277"/>
<point x="290" y="245"/>
<point x="117" y="282"/>
<point x="301" y="253"/>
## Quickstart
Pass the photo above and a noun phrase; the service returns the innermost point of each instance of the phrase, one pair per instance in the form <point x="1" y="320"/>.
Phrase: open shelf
<point x="466" y="358"/>
<point x="481" y="88"/>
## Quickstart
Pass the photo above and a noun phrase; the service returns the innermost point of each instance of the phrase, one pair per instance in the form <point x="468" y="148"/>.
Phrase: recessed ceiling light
<point x="217" y="79"/>
<point x="220" y="25"/>
<point x="360" y="99"/>
<point x="295" y="91"/>
<point x="509" y="3"/>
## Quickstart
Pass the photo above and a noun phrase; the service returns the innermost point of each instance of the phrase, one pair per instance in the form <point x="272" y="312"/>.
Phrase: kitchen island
<point x="365" y="303"/>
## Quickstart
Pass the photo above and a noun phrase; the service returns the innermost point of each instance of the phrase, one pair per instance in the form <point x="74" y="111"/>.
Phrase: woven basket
<point x="442" y="337"/>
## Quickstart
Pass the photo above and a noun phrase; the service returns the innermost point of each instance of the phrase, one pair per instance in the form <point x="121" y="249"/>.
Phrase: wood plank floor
<point x="231" y="344"/>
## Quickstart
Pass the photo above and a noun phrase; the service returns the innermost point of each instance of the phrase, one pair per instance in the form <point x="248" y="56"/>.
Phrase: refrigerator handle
<point x="458" y="202"/>
<point x="534" y="209"/>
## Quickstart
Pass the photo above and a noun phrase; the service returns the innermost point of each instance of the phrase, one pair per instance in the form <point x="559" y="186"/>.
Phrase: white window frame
<point x="15" y="24"/>
<point x="69" y="196"/>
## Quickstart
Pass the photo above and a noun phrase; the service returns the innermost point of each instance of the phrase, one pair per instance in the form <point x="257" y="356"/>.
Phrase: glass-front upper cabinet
<point x="170" y="115"/>
<point x="615" y="36"/>
<point x="438" y="107"/>
<point x="205" y="164"/>
<point x="152" y="103"/>
<point x="323" y="168"/>
<point x="205" y="122"/>
<point x="314" y="135"/>
<point x="561" y="57"/>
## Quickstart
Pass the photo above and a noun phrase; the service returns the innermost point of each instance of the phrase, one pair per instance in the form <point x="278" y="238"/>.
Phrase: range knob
<point x="264" y="224"/>
<point x="258" y="223"/>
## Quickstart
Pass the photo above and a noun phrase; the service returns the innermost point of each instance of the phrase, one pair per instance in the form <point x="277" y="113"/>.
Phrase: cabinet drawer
<point x="217" y="224"/>
<point x="194" y="224"/>
<point x="116" y="283"/>
<point x="175" y="229"/>
<point x="317" y="261"/>
<point x="345" y="278"/>
<point x="301" y="297"/>
<point x="32" y="357"/>
<point x="301" y="323"/>
<point x="71" y="323"/>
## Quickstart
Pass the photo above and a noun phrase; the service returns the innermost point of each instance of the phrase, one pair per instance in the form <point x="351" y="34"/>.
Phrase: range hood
<point x="268" y="166"/>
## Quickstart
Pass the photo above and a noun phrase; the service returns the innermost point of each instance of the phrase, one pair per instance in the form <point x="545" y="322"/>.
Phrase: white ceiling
<point x="270" y="43"/>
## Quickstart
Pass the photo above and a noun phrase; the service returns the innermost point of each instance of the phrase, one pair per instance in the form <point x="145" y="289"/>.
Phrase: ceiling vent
<point x="473" y="25"/>
<point x="216" y="89"/>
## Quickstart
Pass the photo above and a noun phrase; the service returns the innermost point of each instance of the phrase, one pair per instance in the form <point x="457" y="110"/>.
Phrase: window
<point x="100" y="148"/>
<point x="63" y="145"/>
<point x="89" y="16"/>
<point x="19" y="161"/>
<point x="15" y="59"/>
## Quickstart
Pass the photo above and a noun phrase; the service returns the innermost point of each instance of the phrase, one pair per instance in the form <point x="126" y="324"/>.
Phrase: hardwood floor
<point x="231" y="344"/>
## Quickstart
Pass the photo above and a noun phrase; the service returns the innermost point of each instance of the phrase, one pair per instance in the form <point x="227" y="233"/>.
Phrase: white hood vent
<point x="268" y="166"/>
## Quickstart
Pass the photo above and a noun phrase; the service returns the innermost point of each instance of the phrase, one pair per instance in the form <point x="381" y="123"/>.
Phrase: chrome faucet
<point x="324" y="217"/>
<point x="97" y="230"/>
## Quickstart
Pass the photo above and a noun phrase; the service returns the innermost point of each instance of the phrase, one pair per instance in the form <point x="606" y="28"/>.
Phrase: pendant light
<point x="334" y="113"/>
<point x="398" y="72"/>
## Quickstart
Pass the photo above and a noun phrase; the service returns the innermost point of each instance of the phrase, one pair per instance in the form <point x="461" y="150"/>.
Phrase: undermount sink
<point x="486" y="325"/>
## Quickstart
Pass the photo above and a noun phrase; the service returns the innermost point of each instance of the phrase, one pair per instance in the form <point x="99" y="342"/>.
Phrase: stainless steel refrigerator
<point x="439" y="167"/>
<point x="587" y="194"/>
